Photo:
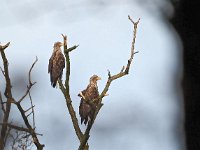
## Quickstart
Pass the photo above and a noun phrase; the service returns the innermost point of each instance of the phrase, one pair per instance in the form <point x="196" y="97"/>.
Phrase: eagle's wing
<point x="92" y="93"/>
<point x="50" y="68"/>
<point x="56" y="66"/>
<point x="50" y="64"/>
<point x="60" y="64"/>
<point x="86" y="110"/>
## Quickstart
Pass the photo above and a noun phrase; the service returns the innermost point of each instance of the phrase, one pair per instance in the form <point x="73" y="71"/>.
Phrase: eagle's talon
<point x="81" y="95"/>
<point x="89" y="100"/>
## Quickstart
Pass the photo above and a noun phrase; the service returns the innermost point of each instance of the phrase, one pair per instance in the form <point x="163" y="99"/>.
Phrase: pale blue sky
<point x="143" y="110"/>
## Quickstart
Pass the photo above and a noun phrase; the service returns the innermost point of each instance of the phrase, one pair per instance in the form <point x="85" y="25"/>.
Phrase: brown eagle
<point x="86" y="110"/>
<point x="56" y="64"/>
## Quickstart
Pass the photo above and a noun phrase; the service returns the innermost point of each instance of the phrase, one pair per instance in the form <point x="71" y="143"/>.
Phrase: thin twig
<point x="2" y="104"/>
<point x="72" y="48"/>
<point x="29" y="108"/>
<point x="21" y="140"/>
<point x="25" y="118"/>
<point x="33" y="133"/>
<point x="109" y="74"/>
<point x="29" y="114"/>
<point x="16" y="127"/>
<point x="30" y="83"/>
<point x="4" y="46"/>
<point x="2" y="71"/>
<point x="20" y="128"/>
<point x="32" y="107"/>
<point x="29" y="73"/>
<point x="122" y="69"/>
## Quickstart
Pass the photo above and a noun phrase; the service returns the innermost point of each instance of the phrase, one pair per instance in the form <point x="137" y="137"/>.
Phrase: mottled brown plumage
<point x="86" y="110"/>
<point x="56" y="64"/>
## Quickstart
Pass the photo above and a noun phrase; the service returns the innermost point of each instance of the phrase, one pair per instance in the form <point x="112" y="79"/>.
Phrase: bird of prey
<point x="87" y="110"/>
<point x="56" y="64"/>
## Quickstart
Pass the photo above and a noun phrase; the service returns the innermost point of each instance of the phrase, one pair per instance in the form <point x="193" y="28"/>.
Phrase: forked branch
<point x="65" y="88"/>
<point x="10" y="100"/>
<point x="30" y="82"/>
<point x="7" y="93"/>
<point x="31" y="128"/>
<point x="124" y="71"/>
<point x="66" y="91"/>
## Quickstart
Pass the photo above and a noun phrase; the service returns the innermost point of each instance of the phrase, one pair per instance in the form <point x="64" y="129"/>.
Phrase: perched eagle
<point x="56" y="64"/>
<point x="86" y="110"/>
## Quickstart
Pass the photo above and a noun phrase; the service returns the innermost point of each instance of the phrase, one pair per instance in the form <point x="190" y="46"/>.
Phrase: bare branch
<point x="29" y="114"/>
<point x="10" y="99"/>
<point x="29" y="73"/>
<point x="32" y="107"/>
<point x="33" y="133"/>
<point x="122" y="69"/>
<point x="4" y="46"/>
<point x="133" y="43"/>
<point x="126" y="71"/>
<point x="20" y="128"/>
<point x="7" y="134"/>
<point x="2" y="104"/>
<point x="16" y="127"/>
<point x="71" y="111"/>
<point x="30" y="82"/>
<point x="27" y="91"/>
<point x="21" y="140"/>
<point x="64" y="42"/>
<point x="65" y="90"/>
<point x="72" y="48"/>
<point x="7" y="93"/>
<point x="109" y="81"/>
<point x="24" y="117"/>
<point x="29" y="108"/>
<point x="3" y="72"/>
<point x="109" y="74"/>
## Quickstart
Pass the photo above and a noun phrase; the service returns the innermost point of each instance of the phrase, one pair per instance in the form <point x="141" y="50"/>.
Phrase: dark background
<point x="186" y="22"/>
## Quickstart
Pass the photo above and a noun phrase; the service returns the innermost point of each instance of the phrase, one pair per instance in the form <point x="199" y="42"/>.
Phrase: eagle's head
<point x="57" y="44"/>
<point x="94" y="79"/>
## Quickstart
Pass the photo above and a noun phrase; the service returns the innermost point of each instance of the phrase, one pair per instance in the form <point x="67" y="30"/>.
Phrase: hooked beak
<point x="99" y="78"/>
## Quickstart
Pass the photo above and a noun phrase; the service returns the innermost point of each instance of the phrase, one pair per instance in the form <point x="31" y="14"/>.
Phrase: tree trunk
<point x="187" y="25"/>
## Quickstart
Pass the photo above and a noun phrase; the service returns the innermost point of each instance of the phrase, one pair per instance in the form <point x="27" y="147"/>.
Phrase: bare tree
<point x="6" y="107"/>
<point x="24" y="137"/>
<point x="65" y="88"/>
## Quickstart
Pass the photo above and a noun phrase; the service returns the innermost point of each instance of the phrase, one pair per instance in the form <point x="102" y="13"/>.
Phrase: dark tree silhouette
<point x="8" y="100"/>
<point x="187" y="25"/>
